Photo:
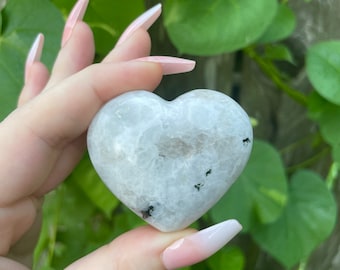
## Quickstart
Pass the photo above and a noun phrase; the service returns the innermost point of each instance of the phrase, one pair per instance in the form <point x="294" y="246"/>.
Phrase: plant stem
<point x="271" y="71"/>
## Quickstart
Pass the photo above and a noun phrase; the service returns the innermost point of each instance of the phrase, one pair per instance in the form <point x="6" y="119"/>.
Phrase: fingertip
<point x="75" y="55"/>
<point x="171" y="65"/>
<point x="34" y="54"/>
<point x="201" y="245"/>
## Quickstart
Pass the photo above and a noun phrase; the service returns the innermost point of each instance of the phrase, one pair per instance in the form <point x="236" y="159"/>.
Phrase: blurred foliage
<point x="18" y="30"/>
<point x="285" y="215"/>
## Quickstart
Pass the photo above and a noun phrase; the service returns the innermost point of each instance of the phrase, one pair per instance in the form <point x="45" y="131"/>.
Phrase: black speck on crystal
<point x="147" y="212"/>
<point x="246" y="141"/>
<point x="198" y="186"/>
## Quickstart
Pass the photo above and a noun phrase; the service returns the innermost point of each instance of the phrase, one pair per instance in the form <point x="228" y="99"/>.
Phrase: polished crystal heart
<point x="169" y="162"/>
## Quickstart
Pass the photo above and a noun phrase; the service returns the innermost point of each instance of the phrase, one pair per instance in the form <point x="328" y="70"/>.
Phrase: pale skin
<point x="44" y="138"/>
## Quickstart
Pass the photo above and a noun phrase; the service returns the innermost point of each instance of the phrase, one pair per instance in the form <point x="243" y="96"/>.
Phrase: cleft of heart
<point x="170" y="161"/>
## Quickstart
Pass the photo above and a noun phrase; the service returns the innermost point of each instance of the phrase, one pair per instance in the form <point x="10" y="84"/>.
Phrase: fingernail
<point x="77" y="14"/>
<point x="170" y="65"/>
<point x="143" y="21"/>
<point x="199" y="246"/>
<point x="34" y="54"/>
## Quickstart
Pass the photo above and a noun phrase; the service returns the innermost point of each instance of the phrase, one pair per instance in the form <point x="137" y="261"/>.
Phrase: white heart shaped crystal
<point x="169" y="162"/>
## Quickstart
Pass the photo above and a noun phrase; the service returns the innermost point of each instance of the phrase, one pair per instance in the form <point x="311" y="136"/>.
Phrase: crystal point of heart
<point x="170" y="162"/>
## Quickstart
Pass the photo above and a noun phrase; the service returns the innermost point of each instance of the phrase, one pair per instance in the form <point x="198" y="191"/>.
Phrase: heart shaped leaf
<point x="259" y="195"/>
<point x="214" y="27"/>
<point x="19" y="28"/>
<point x="323" y="69"/>
<point x="307" y="220"/>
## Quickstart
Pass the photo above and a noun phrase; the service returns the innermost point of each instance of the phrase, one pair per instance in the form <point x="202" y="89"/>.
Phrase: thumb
<point x="148" y="248"/>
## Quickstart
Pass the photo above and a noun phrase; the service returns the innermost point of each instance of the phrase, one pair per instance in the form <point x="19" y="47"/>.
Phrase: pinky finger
<point x="36" y="73"/>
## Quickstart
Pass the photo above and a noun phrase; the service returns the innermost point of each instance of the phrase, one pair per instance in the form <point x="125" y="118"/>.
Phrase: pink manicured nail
<point x="199" y="246"/>
<point x="170" y="65"/>
<point x="143" y="21"/>
<point x="34" y="54"/>
<point x="77" y="14"/>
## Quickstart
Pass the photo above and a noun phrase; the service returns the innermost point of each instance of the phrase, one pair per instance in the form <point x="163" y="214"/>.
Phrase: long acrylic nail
<point x="77" y="14"/>
<point x="199" y="246"/>
<point x="170" y="65"/>
<point x="143" y="21"/>
<point x="34" y="54"/>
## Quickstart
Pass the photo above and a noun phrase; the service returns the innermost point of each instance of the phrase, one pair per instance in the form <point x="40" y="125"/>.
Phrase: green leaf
<point x="21" y="22"/>
<point x="308" y="220"/>
<point x="323" y="69"/>
<point x="214" y="27"/>
<point x="327" y="115"/>
<point x="281" y="27"/>
<point x="87" y="179"/>
<point x="259" y="195"/>
<point x="278" y="52"/>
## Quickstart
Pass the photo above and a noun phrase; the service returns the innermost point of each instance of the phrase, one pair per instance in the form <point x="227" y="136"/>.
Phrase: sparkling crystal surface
<point x="170" y="162"/>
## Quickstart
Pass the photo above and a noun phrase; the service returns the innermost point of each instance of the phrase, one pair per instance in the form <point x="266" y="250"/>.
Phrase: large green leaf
<point x="323" y="69"/>
<point x="281" y="27"/>
<point x="21" y="22"/>
<point x="259" y="195"/>
<point x="214" y="27"/>
<point x="308" y="219"/>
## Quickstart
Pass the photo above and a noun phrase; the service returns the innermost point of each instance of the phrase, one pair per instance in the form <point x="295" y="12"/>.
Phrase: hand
<point x="44" y="138"/>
